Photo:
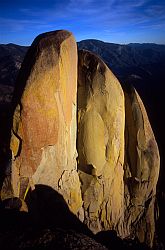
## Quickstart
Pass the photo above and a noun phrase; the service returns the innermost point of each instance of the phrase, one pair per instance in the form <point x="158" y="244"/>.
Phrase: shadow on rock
<point x="11" y="218"/>
<point x="47" y="208"/>
<point x="47" y="224"/>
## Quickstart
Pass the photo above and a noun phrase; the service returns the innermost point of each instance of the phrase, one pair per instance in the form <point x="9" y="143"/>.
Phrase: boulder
<point x="43" y="141"/>
<point x="100" y="143"/>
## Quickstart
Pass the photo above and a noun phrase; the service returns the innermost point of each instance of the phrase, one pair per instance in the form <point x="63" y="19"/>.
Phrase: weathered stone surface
<point x="118" y="191"/>
<point x="101" y="118"/>
<point x="43" y="141"/>
<point x="141" y="170"/>
<point x="118" y="164"/>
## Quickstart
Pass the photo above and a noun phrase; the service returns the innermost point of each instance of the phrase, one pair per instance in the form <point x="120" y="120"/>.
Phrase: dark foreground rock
<point x="49" y="240"/>
<point x="50" y="225"/>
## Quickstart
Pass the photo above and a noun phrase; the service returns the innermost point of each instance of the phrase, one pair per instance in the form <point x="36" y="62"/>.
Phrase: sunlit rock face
<point x="100" y="143"/>
<point x="118" y="157"/>
<point x="43" y="141"/>
<point x="113" y="183"/>
<point x="141" y="170"/>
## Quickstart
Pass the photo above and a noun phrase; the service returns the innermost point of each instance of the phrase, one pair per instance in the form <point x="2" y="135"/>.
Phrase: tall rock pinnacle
<point x="43" y="139"/>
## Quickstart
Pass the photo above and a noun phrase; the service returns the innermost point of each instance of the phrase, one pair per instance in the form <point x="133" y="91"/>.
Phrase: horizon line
<point x="94" y="39"/>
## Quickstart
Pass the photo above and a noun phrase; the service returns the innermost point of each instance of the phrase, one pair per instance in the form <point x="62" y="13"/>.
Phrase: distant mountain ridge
<point x="124" y="60"/>
<point x="11" y="57"/>
<point x="139" y="64"/>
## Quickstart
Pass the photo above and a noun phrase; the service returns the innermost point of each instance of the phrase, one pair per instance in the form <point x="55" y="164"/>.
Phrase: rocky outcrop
<point x="118" y="191"/>
<point x="141" y="170"/>
<point x="100" y="141"/>
<point x="43" y="141"/>
<point x="112" y="185"/>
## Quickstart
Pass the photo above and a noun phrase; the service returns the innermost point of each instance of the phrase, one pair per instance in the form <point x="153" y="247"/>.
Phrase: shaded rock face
<point x="141" y="170"/>
<point x="100" y="141"/>
<point x="43" y="141"/>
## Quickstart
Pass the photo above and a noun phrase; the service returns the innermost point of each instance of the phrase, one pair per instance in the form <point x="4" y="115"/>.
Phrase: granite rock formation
<point x="101" y="118"/>
<point x="118" y="191"/>
<point x="43" y="140"/>
<point x="141" y="170"/>
<point x="112" y="185"/>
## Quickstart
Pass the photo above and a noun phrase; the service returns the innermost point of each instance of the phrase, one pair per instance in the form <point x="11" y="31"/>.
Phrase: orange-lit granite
<point x="44" y="124"/>
<point x="114" y="185"/>
<point x="101" y="121"/>
<point x="118" y="173"/>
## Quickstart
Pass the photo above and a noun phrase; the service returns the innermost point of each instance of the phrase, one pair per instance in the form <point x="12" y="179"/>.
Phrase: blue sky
<point x="119" y="21"/>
